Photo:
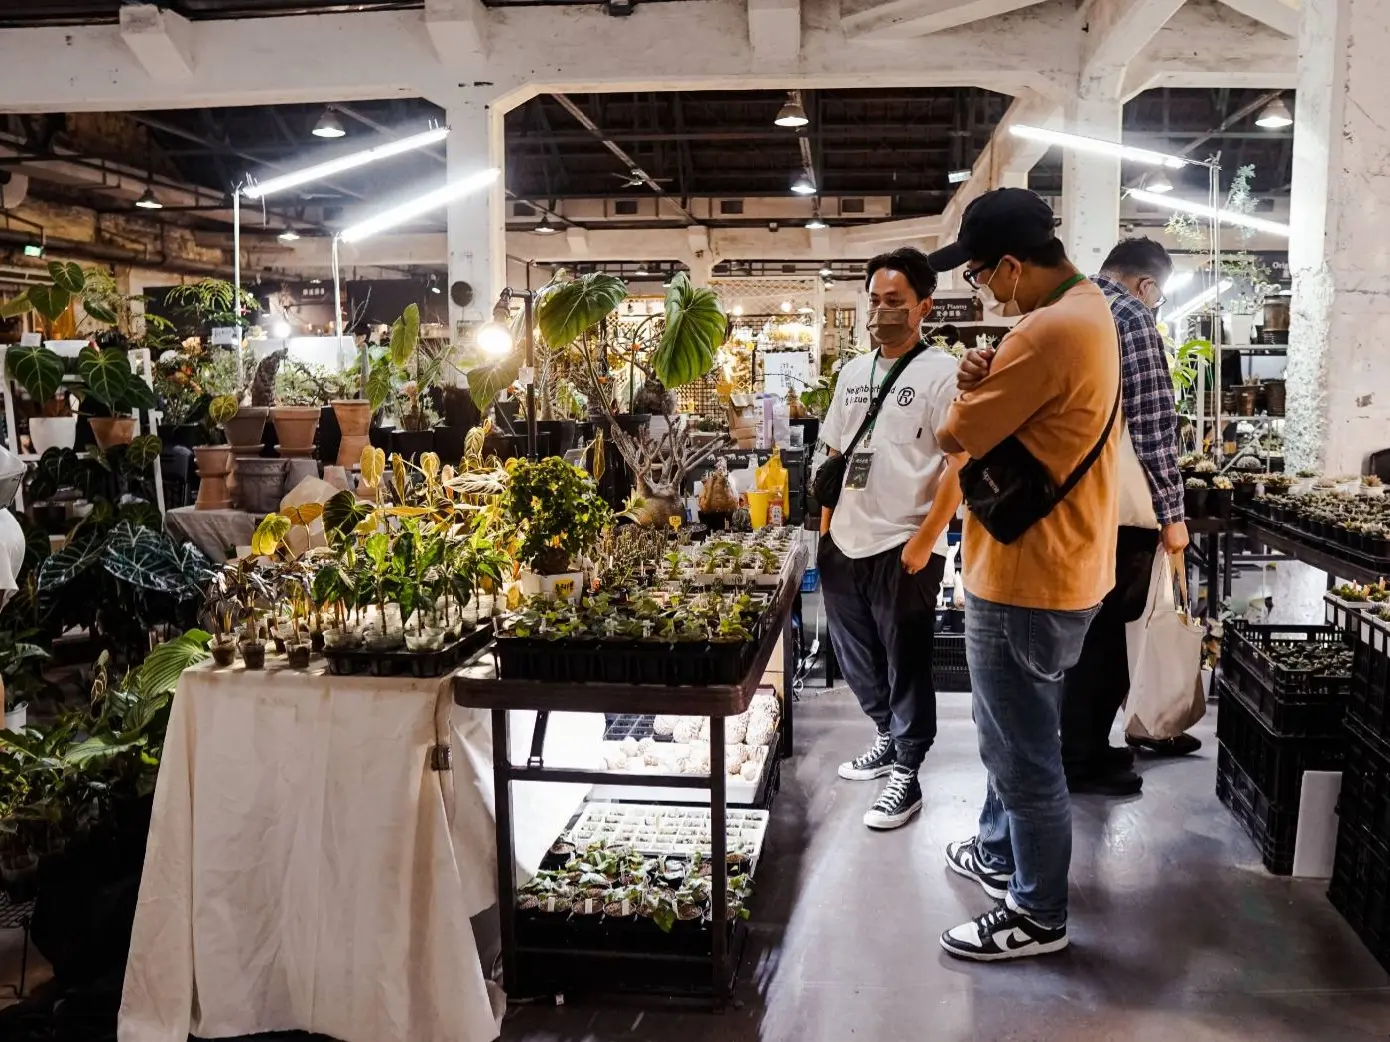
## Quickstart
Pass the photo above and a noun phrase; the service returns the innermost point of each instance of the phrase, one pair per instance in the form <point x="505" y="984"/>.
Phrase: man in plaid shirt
<point x="1132" y="279"/>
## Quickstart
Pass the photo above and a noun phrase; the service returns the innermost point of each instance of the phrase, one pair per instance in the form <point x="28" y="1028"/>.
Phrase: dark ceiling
<point x="20" y="13"/>
<point x="896" y="143"/>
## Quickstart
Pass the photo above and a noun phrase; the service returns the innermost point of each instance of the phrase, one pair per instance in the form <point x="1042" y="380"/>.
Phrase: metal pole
<point x="529" y="298"/>
<point x="236" y="274"/>
<point x="338" y="316"/>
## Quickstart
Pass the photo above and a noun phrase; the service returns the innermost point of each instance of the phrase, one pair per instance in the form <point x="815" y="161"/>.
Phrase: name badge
<point x="857" y="473"/>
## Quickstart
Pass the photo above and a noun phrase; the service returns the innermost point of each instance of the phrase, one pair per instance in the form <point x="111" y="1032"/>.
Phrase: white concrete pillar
<point x="1091" y="184"/>
<point x="1339" y="369"/>
<point x="477" y="221"/>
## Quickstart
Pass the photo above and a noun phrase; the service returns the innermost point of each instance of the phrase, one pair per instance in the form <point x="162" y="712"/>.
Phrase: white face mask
<point x="1003" y="308"/>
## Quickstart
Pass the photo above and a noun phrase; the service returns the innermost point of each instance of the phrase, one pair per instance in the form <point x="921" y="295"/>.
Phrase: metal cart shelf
<point x="475" y="688"/>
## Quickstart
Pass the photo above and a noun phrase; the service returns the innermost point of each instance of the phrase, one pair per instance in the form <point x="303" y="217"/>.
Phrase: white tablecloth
<point x="308" y="869"/>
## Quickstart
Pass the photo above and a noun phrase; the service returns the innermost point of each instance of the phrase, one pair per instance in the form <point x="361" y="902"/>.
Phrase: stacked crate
<point x="1274" y="723"/>
<point x="1360" y="887"/>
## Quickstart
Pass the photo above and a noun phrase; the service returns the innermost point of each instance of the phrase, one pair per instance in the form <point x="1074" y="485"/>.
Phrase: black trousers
<point x="1094" y="689"/>
<point x="881" y="624"/>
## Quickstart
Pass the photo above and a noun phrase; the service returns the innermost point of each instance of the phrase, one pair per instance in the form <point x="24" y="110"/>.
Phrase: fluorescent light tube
<point x="258" y="189"/>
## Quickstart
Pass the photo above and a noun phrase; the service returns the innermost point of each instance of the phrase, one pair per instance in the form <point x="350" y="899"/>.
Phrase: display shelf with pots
<point x="61" y="431"/>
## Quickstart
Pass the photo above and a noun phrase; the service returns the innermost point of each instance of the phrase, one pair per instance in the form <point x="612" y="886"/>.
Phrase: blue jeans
<point x="1017" y="657"/>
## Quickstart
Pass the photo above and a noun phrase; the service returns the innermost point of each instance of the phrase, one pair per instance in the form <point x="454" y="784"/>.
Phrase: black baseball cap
<point x="1004" y="221"/>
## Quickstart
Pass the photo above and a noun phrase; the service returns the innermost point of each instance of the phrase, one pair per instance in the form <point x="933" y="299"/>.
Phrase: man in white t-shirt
<point x="882" y="552"/>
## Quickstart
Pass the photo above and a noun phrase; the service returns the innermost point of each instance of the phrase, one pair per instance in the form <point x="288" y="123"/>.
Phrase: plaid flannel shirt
<point x="1150" y="409"/>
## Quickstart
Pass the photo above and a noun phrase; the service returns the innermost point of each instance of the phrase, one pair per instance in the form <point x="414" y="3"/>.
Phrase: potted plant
<point x="215" y="461"/>
<point x="113" y="396"/>
<point x="39" y="371"/>
<point x="555" y="511"/>
<point x="1219" y="497"/>
<point x="1195" y="498"/>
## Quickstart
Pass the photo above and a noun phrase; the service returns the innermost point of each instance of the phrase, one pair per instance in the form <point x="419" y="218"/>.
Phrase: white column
<point x="1091" y="184"/>
<point x="477" y="222"/>
<point x="1339" y="369"/>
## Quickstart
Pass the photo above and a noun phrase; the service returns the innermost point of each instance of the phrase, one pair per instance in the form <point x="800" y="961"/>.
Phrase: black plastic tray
<point x="1364" y="803"/>
<point x="1360" y="890"/>
<point x="623" y="661"/>
<point x="343" y="663"/>
<point x="1292" y="703"/>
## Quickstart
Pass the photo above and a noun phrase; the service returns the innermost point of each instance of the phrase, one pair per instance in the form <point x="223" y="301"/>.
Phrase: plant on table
<point x="554" y="511"/>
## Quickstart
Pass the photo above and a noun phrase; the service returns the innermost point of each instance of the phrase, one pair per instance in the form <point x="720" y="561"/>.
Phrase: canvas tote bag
<point x="1136" y="503"/>
<point x="1165" y="661"/>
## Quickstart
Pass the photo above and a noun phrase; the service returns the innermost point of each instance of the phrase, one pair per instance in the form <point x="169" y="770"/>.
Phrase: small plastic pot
<point x="223" y="653"/>
<point x="253" y="654"/>
<point x="298" y="655"/>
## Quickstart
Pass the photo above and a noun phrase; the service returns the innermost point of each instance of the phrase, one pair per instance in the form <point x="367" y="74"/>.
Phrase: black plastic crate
<point x="949" y="670"/>
<point x="622" y="662"/>
<point x="1369" y="705"/>
<point x="1275" y="763"/>
<point x="1364" y="804"/>
<point x="631" y="725"/>
<point x="1273" y="830"/>
<point x="1291" y="702"/>
<point x="1360" y="890"/>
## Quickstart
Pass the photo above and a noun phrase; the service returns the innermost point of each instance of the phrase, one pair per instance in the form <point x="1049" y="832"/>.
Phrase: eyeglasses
<point x="972" y="278"/>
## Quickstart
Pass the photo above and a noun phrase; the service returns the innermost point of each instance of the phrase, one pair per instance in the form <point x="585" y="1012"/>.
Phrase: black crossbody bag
<point x="829" y="479"/>
<point x="1009" y="491"/>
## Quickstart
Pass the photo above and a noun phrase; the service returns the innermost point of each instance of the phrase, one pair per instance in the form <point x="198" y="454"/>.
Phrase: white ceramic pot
<point x="1242" y="328"/>
<point x="17" y="719"/>
<point x="52" y="432"/>
<point x="1373" y="490"/>
<point x="568" y="585"/>
<point x="65" y="348"/>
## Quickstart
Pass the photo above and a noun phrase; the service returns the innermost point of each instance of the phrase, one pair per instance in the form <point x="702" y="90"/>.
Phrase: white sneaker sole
<point x="998" y="893"/>
<point x="1022" y="953"/>
<point x="849" y="773"/>
<point x="892" y="821"/>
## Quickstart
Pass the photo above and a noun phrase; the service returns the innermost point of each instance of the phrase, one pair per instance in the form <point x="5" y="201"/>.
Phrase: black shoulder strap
<point x="1091" y="457"/>
<point x="877" y="403"/>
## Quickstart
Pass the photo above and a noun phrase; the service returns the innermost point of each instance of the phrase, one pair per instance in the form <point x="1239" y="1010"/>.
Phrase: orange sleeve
<point x="1020" y="382"/>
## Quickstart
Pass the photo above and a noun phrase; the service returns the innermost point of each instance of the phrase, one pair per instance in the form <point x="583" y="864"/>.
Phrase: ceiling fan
<point x="636" y="178"/>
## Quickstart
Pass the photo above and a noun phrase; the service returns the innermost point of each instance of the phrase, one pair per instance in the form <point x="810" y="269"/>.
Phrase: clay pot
<point x="260" y="483"/>
<point x="247" y="426"/>
<point x="354" y="419"/>
<point x="214" y="465"/>
<point x="112" y="430"/>
<point x="296" y="426"/>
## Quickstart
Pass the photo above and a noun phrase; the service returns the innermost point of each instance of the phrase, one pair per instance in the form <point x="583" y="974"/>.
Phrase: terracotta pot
<point x="214" y="465"/>
<point x="260" y="483"/>
<point x="354" y="419"/>
<point x="296" y="426"/>
<point x="247" y="426"/>
<point x="112" y="430"/>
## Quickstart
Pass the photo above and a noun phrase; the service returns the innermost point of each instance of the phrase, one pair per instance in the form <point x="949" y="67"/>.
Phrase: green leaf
<point x="379" y="383"/>
<point x="61" y="468"/>
<point x="141" y="514"/>
<point x="16" y="306"/>
<point x="564" y="314"/>
<point x="99" y="311"/>
<point x="695" y="327"/>
<point x="405" y="335"/>
<point x="106" y="373"/>
<point x="159" y="673"/>
<point x="486" y="382"/>
<point x="67" y="565"/>
<point x="378" y="548"/>
<point x="343" y="512"/>
<point x="149" y="560"/>
<point x="143" y="450"/>
<point x="49" y="301"/>
<point x="38" y="370"/>
<point x="138" y="395"/>
<point x="266" y="539"/>
<point x="98" y="747"/>
<point x="37" y="546"/>
<point x="67" y="276"/>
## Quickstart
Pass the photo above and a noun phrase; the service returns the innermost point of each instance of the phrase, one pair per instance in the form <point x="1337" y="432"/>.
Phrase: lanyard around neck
<point x="1061" y="291"/>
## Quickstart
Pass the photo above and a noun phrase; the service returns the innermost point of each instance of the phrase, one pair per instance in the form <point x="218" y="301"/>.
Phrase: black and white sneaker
<point x="1004" y="932"/>
<point x="874" y="762"/>
<point x="900" y="799"/>
<point x="963" y="858"/>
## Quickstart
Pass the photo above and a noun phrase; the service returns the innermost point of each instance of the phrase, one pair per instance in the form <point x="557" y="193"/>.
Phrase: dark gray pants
<point x="881" y="626"/>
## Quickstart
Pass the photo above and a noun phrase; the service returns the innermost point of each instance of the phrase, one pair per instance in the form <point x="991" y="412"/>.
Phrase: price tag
<point x="30" y="339"/>
<point x="225" y="335"/>
<point x="857" y="473"/>
<point x="526" y="375"/>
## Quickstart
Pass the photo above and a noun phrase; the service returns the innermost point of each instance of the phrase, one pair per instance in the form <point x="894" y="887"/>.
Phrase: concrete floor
<point x="1178" y="933"/>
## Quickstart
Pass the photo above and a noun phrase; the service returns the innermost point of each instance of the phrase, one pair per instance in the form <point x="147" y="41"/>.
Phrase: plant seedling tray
<point x="1291" y="702"/>
<point x="694" y="663"/>
<point x="350" y="662"/>
<point x="656" y="829"/>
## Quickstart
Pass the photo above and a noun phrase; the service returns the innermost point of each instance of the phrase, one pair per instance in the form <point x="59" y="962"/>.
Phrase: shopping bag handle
<point x="1179" y="566"/>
